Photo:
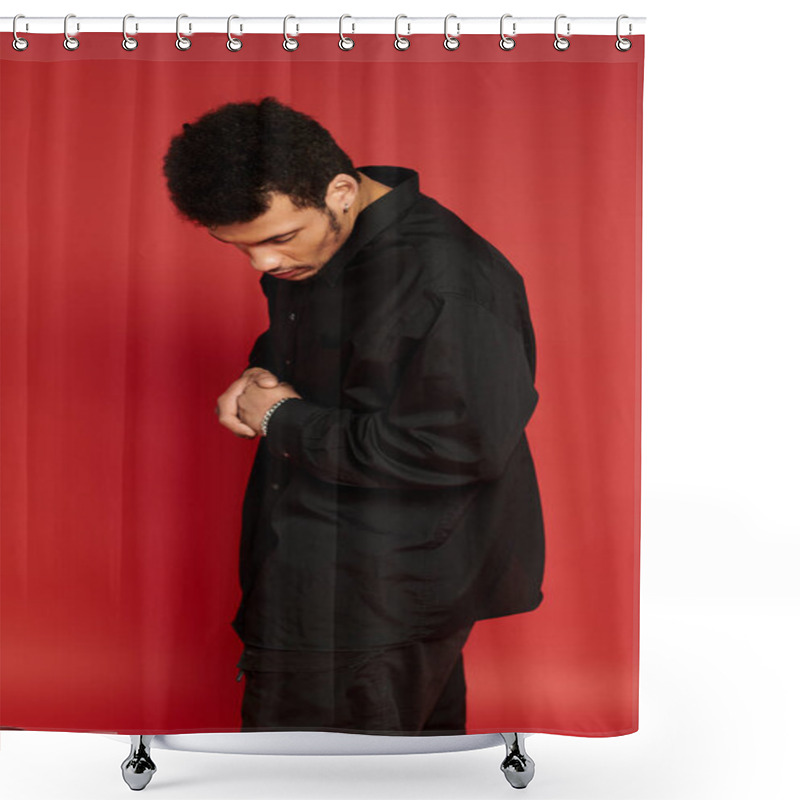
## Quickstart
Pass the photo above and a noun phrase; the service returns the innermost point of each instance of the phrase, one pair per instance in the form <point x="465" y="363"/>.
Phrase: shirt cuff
<point x="286" y="425"/>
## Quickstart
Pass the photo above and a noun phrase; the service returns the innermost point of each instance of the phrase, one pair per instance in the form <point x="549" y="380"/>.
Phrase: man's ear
<point x="342" y="191"/>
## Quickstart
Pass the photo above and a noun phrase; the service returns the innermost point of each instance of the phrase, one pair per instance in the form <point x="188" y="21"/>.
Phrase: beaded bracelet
<point x="272" y="410"/>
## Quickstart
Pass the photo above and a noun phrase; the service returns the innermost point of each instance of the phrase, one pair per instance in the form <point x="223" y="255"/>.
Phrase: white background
<point x="719" y="616"/>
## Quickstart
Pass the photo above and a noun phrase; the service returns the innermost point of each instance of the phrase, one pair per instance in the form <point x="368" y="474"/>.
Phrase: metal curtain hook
<point x="560" y="43"/>
<point x="182" y="43"/>
<point x="621" y="44"/>
<point x="400" y="42"/>
<point x="128" y="42"/>
<point x="233" y="44"/>
<point x="18" y="43"/>
<point x="70" y="42"/>
<point x="345" y="42"/>
<point x="451" y="42"/>
<point x="506" y="42"/>
<point x="289" y="43"/>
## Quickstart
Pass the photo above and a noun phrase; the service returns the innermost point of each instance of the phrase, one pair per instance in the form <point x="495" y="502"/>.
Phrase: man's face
<point x="286" y="242"/>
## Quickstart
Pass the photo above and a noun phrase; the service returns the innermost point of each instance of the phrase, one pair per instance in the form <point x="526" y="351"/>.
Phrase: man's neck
<point x="371" y="190"/>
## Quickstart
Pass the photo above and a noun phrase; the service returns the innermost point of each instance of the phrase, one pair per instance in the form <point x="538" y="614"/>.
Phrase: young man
<point x="393" y="499"/>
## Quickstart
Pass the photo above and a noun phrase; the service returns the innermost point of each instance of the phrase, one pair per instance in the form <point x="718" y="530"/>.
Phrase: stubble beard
<point x="333" y="223"/>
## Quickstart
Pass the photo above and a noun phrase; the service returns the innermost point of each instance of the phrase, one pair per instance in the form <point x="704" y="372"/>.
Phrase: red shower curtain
<point x="120" y="325"/>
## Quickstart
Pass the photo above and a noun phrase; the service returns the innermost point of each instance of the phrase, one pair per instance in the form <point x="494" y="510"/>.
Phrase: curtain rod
<point x="407" y="26"/>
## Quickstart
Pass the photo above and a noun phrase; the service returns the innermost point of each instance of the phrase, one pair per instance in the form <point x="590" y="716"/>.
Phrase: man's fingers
<point x="227" y="410"/>
<point x="235" y="425"/>
<point x="260" y="374"/>
<point x="245" y="432"/>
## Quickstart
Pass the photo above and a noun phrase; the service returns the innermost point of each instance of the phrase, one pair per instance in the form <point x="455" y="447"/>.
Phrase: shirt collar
<point x="376" y="217"/>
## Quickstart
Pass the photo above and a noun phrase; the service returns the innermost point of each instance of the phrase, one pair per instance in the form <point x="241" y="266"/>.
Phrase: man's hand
<point x="259" y="396"/>
<point x="227" y="407"/>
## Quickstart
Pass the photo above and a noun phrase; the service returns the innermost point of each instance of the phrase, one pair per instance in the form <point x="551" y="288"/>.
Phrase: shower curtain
<point x="128" y="539"/>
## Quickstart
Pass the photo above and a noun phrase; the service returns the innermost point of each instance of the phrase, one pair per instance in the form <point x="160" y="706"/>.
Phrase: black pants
<point x="411" y="689"/>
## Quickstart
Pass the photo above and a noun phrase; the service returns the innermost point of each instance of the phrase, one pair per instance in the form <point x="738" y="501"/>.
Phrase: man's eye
<point x="283" y="239"/>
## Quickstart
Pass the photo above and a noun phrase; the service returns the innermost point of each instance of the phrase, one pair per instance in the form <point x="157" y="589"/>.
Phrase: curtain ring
<point x="233" y="44"/>
<point x="345" y="42"/>
<point x="451" y="42"/>
<point x="506" y="42"/>
<point x="182" y="43"/>
<point x="18" y="43"/>
<point x="623" y="45"/>
<point x="400" y="42"/>
<point x="561" y="43"/>
<point x="70" y="42"/>
<point x="128" y="42"/>
<point x="289" y="43"/>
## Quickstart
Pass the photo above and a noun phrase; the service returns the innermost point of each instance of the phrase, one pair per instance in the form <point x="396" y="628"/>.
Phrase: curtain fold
<point x="121" y="324"/>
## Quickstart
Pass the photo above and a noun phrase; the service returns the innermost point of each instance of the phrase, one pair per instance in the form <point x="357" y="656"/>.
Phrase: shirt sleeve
<point x="460" y="408"/>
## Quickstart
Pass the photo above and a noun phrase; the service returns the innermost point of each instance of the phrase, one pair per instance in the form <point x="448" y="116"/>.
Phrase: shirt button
<point x="292" y="317"/>
<point x="276" y="486"/>
<point x="288" y="361"/>
<point x="285" y="454"/>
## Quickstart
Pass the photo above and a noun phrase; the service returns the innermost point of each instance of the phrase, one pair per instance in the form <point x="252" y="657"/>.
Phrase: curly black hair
<point x="221" y="169"/>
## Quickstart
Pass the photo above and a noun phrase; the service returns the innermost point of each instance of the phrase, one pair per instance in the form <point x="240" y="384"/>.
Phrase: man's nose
<point x="264" y="260"/>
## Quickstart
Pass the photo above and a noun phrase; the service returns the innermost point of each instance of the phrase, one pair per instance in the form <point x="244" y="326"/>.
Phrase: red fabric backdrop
<point x="121" y="325"/>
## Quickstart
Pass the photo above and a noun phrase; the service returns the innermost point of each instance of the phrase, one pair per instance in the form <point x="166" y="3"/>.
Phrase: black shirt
<point x="398" y="499"/>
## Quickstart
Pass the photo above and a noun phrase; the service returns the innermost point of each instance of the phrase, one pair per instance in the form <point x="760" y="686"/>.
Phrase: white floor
<point x="719" y="702"/>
